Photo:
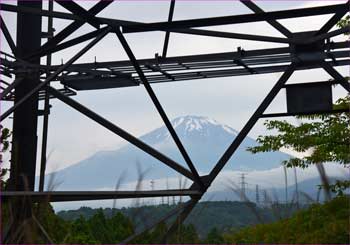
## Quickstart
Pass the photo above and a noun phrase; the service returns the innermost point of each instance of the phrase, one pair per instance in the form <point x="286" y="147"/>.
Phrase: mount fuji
<point x="204" y="139"/>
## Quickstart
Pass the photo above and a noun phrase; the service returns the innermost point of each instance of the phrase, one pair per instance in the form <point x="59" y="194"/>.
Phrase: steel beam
<point x="255" y="8"/>
<point x="69" y="196"/>
<point x="25" y="119"/>
<point x="7" y="35"/>
<point x="333" y="21"/>
<point x="167" y="34"/>
<point x="45" y="130"/>
<point x="10" y="87"/>
<point x="235" y="19"/>
<point x="24" y="139"/>
<point x="59" y="37"/>
<point x="130" y="26"/>
<point x="251" y="122"/>
<point x="269" y="115"/>
<point x="327" y="35"/>
<point x="79" y="11"/>
<point x="120" y="132"/>
<point x="33" y="11"/>
<point x="336" y="75"/>
<point x="171" y="69"/>
<point x="190" y="58"/>
<point x="159" y="107"/>
<point x="231" y="35"/>
<point x="70" y="43"/>
<point x="180" y="218"/>
<point x="208" y="33"/>
<point x="55" y="74"/>
<point x="258" y="54"/>
<point x="234" y="72"/>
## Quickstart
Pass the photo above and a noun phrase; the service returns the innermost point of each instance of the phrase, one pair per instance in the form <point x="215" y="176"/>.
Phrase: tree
<point x="214" y="237"/>
<point x="80" y="233"/>
<point x="326" y="138"/>
<point x="190" y="234"/>
<point x="185" y="234"/>
<point x="318" y="224"/>
<point x="5" y="145"/>
<point x="120" y="227"/>
<point x="344" y="23"/>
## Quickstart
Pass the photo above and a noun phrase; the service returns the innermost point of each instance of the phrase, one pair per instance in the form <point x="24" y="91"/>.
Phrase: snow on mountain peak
<point x="199" y="123"/>
<point x="191" y="127"/>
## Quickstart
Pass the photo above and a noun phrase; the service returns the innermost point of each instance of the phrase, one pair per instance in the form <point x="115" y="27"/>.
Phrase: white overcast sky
<point x="72" y="137"/>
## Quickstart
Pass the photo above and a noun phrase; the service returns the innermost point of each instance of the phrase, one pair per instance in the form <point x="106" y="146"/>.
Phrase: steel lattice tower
<point x="31" y="81"/>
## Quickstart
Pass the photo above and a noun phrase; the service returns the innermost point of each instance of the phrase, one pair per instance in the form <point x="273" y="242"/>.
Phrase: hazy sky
<point x="73" y="137"/>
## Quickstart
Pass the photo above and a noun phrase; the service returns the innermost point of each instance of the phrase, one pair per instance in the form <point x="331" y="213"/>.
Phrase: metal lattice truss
<point x="306" y="50"/>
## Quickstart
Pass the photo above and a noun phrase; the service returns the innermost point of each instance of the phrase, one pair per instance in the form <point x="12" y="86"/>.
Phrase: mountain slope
<point x="204" y="139"/>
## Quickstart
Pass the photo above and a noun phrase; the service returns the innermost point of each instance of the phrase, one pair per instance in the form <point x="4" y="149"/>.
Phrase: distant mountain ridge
<point x="204" y="139"/>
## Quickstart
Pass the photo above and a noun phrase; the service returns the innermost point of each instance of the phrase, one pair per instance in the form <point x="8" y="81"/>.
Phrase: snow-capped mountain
<point x="191" y="127"/>
<point x="204" y="139"/>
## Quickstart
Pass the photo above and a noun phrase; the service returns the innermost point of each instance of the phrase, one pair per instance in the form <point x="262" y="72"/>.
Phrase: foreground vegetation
<point x="320" y="223"/>
<point x="223" y="215"/>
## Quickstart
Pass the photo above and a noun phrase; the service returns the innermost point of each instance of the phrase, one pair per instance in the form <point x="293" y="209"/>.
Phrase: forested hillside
<point x="223" y="215"/>
<point x="319" y="224"/>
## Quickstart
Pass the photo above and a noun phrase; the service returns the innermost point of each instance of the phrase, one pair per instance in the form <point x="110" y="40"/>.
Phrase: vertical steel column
<point x="25" y="119"/>
<point x="167" y="34"/>
<point x="46" y="108"/>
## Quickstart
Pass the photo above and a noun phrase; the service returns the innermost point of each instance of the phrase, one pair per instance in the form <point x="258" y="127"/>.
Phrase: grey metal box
<point x="309" y="97"/>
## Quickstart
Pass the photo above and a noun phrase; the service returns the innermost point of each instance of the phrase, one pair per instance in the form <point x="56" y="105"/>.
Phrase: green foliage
<point x="326" y="138"/>
<point x="4" y="146"/>
<point x="340" y="186"/>
<point x="205" y="216"/>
<point x="99" y="229"/>
<point x="55" y="226"/>
<point x="185" y="234"/>
<point x="345" y="22"/>
<point x="113" y="229"/>
<point x="4" y="138"/>
<point x="96" y="230"/>
<point x="214" y="237"/>
<point x="80" y="232"/>
<point x="320" y="224"/>
<point x="158" y="233"/>
<point x="3" y="182"/>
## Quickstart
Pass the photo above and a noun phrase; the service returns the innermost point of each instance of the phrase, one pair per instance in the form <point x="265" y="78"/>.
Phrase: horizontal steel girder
<point x="129" y="26"/>
<point x="64" y="196"/>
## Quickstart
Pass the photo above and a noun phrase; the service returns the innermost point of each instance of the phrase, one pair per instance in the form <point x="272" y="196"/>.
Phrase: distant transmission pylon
<point x="285" y="183"/>
<point x="243" y="184"/>
<point x="265" y="198"/>
<point x="152" y="187"/>
<point x="167" y="187"/>
<point x="296" y="187"/>
<point x="257" y="195"/>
